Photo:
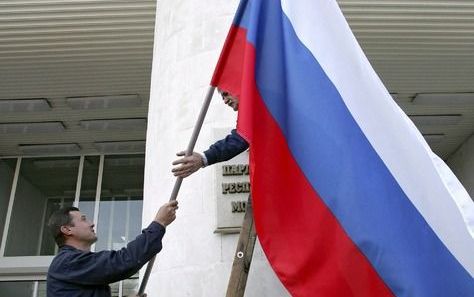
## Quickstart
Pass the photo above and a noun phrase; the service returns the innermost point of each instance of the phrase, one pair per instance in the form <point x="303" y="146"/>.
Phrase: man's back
<point x="58" y="286"/>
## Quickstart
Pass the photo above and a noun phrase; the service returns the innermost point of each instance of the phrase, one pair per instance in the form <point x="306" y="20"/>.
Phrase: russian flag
<point x="348" y="198"/>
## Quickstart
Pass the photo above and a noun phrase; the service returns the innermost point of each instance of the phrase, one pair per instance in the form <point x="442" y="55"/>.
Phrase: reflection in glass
<point x="44" y="185"/>
<point x="7" y="171"/>
<point x="120" y="208"/>
<point x="48" y="245"/>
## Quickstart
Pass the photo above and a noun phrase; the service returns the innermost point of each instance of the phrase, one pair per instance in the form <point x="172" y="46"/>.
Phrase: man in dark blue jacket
<point x="223" y="150"/>
<point x="77" y="272"/>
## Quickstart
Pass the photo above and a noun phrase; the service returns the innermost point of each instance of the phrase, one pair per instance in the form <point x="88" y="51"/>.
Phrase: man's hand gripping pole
<point x="179" y="180"/>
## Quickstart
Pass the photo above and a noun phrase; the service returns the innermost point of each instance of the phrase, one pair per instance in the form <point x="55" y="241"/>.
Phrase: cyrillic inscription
<point x="238" y="187"/>
<point x="232" y="189"/>
<point x="238" y="169"/>
<point x="238" y="206"/>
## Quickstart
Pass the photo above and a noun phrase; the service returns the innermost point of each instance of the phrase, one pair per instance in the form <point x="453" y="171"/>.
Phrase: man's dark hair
<point x="59" y="218"/>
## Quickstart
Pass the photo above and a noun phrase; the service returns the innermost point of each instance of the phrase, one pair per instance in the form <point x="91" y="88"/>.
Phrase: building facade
<point x="84" y="84"/>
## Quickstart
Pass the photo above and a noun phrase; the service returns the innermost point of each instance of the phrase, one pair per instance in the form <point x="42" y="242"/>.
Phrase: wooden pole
<point x="243" y="255"/>
<point x="179" y="180"/>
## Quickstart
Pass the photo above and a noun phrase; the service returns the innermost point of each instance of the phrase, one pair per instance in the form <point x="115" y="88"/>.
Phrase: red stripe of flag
<point x="305" y="244"/>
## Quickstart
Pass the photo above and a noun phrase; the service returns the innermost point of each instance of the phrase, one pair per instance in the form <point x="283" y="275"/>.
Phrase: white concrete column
<point x="195" y="261"/>
<point x="462" y="164"/>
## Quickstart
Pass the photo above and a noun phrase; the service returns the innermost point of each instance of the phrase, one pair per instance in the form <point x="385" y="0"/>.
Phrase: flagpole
<point x="179" y="180"/>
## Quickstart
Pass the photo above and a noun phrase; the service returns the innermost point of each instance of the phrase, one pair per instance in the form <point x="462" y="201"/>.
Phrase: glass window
<point x="44" y="185"/>
<point x="48" y="245"/>
<point x="120" y="207"/>
<point x="89" y="186"/>
<point x="115" y="289"/>
<point x="17" y="289"/>
<point x="130" y="286"/>
<point x="41" y="289"/>
<point x="126" y="287"/>
<point x="7" y="171"/>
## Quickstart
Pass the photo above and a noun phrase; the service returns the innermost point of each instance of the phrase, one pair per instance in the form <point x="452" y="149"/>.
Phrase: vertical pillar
<point x="194" y="261"/>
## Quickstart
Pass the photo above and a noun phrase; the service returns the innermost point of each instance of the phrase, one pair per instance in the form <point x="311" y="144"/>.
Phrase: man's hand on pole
<point x="187" y="165"/>
<point x="167" y="213"/>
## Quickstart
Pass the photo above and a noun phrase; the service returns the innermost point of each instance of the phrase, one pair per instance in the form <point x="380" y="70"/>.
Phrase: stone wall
<point x="195" y="261"/>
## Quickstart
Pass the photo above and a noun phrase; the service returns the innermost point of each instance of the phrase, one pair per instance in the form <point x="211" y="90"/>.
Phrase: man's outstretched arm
<point x="88" y="268"/>
<point x="223" y="150"/>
